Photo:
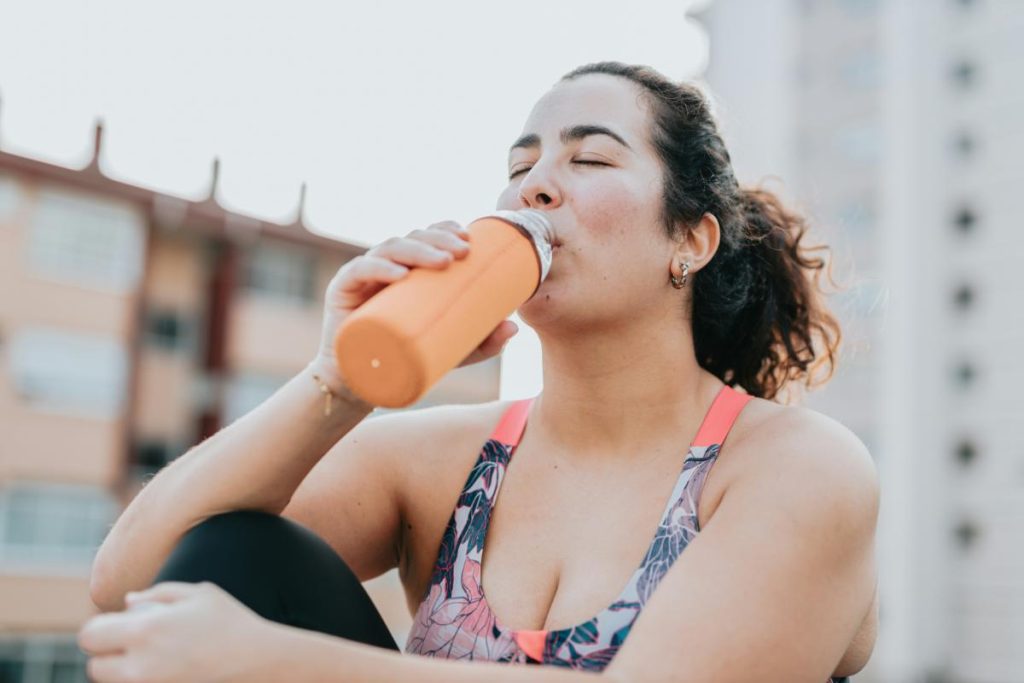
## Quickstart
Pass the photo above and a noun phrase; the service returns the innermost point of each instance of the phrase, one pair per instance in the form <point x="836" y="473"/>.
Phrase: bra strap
<point x="721" y="416"/>
<point x="510" y="428"/>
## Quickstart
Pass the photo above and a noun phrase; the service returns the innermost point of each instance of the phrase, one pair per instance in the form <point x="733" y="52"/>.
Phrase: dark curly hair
<point x="758" y="313"/>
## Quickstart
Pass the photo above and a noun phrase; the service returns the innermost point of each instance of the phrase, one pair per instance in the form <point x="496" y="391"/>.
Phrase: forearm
<point x="311" y="657"/>
<point x="256" y="463"/>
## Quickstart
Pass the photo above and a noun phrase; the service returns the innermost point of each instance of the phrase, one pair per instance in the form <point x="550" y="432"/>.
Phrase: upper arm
<point x="777" y="583"/>
<point x="351" y="496"/>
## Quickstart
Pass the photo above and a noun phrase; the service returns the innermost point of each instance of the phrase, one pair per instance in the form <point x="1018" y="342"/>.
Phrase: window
<point x="861" y="70"/>
<point x="860" y="142"/>
<point x="857" y="216"/>
<point x="965" y="220"/>
<point x="54" y="525"/>
<point x="165" y="330"/>
<point x="281" y="271"/>
<point x="964" y="144"/>
<point x="963" y="296"/>
<point x="964" y="74"/>
<point x="53" y="659"/>
<point x="86" y="241"/>
<point x="964" y="374"/>
<point x="248" y="390"/>
<point x="152" y="455"/>
<point x="966" y="533"/>
<point x="966" y="452"/>
<point x="69" y="372"/>
<point x="10" y="196"/>
<point x="859" y="7"/>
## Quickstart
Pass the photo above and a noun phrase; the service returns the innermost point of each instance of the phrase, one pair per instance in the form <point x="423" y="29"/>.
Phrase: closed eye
<point x="586" y="162"/>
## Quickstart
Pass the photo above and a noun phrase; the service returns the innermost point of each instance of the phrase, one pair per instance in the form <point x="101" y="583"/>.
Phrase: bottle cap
<point x="535" y="225"/>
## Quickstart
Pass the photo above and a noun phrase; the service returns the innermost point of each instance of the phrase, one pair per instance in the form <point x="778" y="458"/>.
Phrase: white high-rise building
<point x="898" y="126"/>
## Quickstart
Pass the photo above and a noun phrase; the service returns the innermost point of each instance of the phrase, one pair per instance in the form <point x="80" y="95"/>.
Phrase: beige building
<point x="899" y="126"/>
<point x="133" y="324"/>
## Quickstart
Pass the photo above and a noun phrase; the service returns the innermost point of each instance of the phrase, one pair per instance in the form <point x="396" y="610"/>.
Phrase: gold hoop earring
<point x="680" y="282"/>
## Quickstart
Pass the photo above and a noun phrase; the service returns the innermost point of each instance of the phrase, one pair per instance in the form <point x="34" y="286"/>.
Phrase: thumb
<point x="167" y="592"/>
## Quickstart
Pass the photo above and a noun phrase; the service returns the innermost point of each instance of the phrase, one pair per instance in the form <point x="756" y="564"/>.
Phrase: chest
<point x="563" y="540"/>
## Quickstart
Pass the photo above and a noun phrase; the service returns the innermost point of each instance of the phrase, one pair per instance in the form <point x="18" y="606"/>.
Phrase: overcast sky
<point x="396" y="114"/>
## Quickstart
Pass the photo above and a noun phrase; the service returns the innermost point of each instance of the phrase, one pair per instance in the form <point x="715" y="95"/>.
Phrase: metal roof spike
<point x="214" y="181"/>
<point x="97" y="147"/>
<point x="300" y="212"/>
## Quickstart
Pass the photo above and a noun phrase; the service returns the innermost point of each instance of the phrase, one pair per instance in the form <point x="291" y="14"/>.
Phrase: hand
<point x="362" y="277"/>
<point x="176" y="631"/>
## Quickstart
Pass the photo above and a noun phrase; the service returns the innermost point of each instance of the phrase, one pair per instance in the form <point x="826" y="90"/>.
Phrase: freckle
<point x="547" y="297"/>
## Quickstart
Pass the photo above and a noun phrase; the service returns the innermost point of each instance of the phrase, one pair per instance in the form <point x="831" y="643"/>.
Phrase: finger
<point x="108" y="633"/>
<point x="410" y="252"/>
<point x="165" y="591"/>
<point x="109" y="669"/>
<point x="371" y="270"/>
<point x="442" y="239"/>
<point x="493" y="344"/>
<point x="450" y="226"/>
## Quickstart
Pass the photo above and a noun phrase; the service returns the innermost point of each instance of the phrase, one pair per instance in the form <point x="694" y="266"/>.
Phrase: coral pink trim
<point x="532" y="643"/>
<point x="510" y="428"/>
<point x="717" y="423"/>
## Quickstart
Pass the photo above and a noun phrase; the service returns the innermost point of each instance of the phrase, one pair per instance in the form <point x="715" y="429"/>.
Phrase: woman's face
<point x="585" y="159"/>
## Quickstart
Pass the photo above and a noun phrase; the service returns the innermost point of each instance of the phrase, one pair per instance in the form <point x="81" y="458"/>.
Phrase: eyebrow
<point x="570" y="134"/>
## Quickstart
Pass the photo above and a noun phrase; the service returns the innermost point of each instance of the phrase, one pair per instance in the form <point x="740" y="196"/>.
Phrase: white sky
<point x="396" y="114"/>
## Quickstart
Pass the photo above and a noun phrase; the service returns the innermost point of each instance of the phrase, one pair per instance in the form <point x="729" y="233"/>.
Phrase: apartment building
<point x="133" y="324"/>
<point x="898" y="125"/>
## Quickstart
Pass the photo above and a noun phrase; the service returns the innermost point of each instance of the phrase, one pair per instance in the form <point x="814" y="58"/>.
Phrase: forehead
<point x="602" y="99"/>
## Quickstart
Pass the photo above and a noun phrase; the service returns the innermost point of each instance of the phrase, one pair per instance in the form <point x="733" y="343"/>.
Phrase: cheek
<point x="613" y="213"/>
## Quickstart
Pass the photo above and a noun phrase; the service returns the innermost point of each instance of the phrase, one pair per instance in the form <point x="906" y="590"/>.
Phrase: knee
<point x="241" y="528"/>
<point x="252" y="534"/>
<point x="231" y="543"/>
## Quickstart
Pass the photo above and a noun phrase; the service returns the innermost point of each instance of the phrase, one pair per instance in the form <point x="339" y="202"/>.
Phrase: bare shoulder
<point x="769" y="436"/>
<point x="787" y="447"/>
<point x="802" y="438"/>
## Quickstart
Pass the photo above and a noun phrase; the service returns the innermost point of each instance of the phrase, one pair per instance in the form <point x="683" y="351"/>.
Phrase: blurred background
<point x="179" y="182"/>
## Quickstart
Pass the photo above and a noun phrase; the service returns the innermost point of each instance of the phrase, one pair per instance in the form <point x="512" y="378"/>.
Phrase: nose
<point x="538" y="191"/>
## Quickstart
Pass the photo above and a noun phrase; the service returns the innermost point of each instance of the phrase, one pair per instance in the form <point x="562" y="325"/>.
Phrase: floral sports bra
<point x="454" y="620"/>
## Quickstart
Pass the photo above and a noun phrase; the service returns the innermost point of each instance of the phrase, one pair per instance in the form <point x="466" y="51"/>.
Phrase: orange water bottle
<point x="399" y="343"/>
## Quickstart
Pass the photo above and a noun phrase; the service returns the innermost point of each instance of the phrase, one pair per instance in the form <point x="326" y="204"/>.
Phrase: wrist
<point x="325" y="375"/>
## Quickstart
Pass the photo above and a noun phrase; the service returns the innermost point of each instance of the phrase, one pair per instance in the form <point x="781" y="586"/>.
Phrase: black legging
<point x="282" y="571"/>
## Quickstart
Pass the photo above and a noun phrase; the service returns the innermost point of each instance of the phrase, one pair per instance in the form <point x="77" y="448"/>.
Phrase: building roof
<point x="206" y="216"/>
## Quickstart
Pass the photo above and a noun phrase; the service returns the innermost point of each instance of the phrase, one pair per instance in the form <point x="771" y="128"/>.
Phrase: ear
<point x="698" y="244"/>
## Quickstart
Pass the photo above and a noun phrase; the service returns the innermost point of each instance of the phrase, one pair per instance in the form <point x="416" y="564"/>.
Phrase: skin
<point x="780" y="585"/>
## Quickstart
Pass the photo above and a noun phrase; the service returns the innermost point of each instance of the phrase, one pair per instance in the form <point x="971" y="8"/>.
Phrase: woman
<point x="670" y="286"/>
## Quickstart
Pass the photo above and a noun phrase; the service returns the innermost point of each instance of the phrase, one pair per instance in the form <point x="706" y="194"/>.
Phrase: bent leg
<point x="282" y="571"/>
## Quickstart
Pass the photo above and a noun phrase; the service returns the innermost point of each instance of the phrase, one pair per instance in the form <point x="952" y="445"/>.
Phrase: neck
<point x="613" y="393"/>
